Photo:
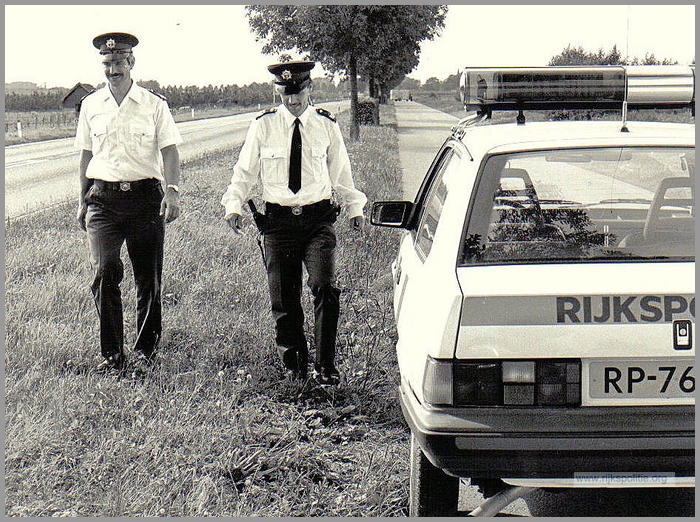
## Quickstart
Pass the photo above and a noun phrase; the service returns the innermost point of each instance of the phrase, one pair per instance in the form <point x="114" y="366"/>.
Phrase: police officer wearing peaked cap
<point x="297" y="153"/>
<point x="292" y="77"/>
<point x="115" y="43"/>
<point x="129" y="173"/>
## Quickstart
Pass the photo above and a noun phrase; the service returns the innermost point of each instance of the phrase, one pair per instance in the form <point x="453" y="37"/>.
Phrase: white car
<point x="545" y="290"/>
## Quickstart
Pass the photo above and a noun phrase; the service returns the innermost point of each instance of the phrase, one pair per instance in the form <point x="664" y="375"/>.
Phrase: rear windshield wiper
<point x="624" y="200"/>
<point x="560" y="202"/>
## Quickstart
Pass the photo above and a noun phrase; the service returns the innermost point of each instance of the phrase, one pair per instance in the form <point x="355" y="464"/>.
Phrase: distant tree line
<point x="569" y="56"/>
<point x="233" y="95"/>
<point x="183" y="96"/>
<point x="449" y="84"/>
<point x="324" y="88"/>
<point x="579" y="56"/>
<point x="35" y="101"/>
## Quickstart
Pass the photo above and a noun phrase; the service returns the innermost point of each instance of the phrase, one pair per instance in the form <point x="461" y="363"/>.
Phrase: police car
<point x="544" y="292"/>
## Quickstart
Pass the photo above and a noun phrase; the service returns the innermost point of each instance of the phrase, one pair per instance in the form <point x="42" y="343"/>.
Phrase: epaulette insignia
<point x="324" y="112"/>
<point x="271" y="110"/>
<point x="158" y="94"/>
<point x="80" y="101"/>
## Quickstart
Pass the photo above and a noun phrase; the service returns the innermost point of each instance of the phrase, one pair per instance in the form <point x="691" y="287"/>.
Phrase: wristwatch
<point x="174" y="187"/>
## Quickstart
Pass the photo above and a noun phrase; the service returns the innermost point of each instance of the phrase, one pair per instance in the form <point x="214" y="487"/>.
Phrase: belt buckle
<point x="297" y="210"/>
<point x="124" y="186"/>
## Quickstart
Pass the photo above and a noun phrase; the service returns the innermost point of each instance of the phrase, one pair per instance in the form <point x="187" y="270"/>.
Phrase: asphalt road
<point x="40" y="174"/>
<point x="421" y="132"/>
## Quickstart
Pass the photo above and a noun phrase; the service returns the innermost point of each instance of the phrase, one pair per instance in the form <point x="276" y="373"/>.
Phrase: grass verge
<point x="449" y="103"/>
<point x="213" y="429"/>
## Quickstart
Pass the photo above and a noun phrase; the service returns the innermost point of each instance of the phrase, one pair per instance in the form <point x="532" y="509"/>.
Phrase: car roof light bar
<point x="660" y="84"/>
<point x="577" y="87"/>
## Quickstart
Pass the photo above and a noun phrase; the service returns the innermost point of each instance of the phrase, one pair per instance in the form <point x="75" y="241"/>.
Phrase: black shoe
<point x="295" y="363"/>
<point x="147" y="359"/>
<point x="142" y="364"/>
<point x="296" y="375"/>
<point x="113" y="364"/>
<point x="327" y="377"/>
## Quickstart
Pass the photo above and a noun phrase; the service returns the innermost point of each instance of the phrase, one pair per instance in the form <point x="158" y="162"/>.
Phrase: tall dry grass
<point x="214" y="429"/>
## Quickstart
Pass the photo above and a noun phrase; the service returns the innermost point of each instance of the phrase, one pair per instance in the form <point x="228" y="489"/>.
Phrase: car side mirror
<point x="393" y="214"/>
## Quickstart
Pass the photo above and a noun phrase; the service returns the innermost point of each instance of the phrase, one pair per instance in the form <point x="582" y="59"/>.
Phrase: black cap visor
<point x="292" y="87"/>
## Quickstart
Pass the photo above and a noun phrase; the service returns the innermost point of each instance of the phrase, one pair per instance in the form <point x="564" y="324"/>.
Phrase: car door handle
<point x="426" y="232"/>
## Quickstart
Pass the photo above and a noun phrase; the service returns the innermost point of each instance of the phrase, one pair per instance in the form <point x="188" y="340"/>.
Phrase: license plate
<point x="648" y="381"/>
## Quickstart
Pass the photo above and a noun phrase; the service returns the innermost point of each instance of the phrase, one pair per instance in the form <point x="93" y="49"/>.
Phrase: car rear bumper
<point x="554" y="443"/>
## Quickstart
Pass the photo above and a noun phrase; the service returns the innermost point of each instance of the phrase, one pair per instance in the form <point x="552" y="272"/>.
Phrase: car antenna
<point x="627" y="51"/>
<point x="624" y="105"/>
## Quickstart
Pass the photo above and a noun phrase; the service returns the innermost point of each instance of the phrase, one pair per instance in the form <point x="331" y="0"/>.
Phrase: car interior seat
<point x="670" y="217"/>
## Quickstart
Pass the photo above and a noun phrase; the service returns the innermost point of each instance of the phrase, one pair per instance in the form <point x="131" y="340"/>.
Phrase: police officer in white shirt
<point x="129" y="174"/>
<point x="298" y="154"/>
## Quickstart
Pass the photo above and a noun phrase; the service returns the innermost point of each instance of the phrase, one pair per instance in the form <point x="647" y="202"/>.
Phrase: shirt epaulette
<point x="162" y="97"/>
<point x="80" y="101"/>
<point x="271" y="110"/>
<point x="324" y="112"/>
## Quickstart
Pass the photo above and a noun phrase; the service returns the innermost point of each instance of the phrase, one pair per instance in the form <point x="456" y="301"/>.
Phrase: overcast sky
<point x="212" y="44"/>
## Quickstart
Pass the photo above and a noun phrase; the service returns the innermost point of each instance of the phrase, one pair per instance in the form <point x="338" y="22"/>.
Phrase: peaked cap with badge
<point x="115" y="43"/>
<point x="293" y="76"/>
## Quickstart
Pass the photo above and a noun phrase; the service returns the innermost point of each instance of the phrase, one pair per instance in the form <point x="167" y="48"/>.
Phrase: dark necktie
<point x="295" y="159"/>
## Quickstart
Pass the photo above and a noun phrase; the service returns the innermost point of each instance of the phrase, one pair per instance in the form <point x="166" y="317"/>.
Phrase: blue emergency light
<point x="577" y="87"/>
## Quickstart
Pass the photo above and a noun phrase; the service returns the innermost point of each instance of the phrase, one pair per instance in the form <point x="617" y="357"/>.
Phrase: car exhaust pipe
<point x="492" y="506"/>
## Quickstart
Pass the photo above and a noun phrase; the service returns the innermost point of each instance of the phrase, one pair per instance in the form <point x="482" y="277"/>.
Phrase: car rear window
<point x="592" y="204"/>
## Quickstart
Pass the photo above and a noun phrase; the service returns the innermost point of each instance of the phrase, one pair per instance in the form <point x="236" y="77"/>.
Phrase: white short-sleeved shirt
<point x="265" y="155"/>
<point x="125" y="140"/>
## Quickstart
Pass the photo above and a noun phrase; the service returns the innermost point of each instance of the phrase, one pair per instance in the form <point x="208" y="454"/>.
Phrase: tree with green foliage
<point x="410" y="84"/>
<point x="385" y="72"/>
<point x="579" y="56"/>
<point x="349" y="39"/>
<point x="650" y="59"/>
<point x="48" y="100"/>
<point x="397" y="32"/>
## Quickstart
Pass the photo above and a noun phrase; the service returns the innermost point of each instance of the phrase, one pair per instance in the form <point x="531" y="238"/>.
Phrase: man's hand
<point x="170" y="206"/>
<point x="80" y="215"/>
<point x="357" y="222"/>
<point x="235" y="221"/>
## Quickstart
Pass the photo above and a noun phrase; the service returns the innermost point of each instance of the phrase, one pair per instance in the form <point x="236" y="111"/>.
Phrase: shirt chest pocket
<point x="142" y="136"/>
<point x="274" y="163"/>
<point x="98" y="135"/>
<point x="319" y="157"/>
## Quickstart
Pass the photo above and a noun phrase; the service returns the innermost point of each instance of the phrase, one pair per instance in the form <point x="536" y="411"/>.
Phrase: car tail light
<point x="558" y="383"/>
<point x="478" y="383"/>
<point x="518" y="382"/>
<point x="503" y="383"/>
<point x="437" y="381"/>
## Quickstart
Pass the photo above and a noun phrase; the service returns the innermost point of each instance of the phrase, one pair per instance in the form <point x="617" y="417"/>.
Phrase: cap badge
<point x="286" y="74"/>
<point x="110" y="43"/>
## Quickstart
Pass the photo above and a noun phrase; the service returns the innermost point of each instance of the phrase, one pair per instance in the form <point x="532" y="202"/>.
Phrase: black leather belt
<point x="127" y="186"/>
<point x="320" y="207"/>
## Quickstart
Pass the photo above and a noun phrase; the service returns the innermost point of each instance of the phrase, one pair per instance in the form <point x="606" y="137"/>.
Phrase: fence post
<point x="192" y="112"/>
<point x="19" y="129"/>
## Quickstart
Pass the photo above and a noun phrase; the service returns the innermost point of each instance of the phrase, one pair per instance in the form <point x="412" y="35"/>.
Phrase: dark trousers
<point x="290" y="242"/>
<point x="113" y="218"/>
